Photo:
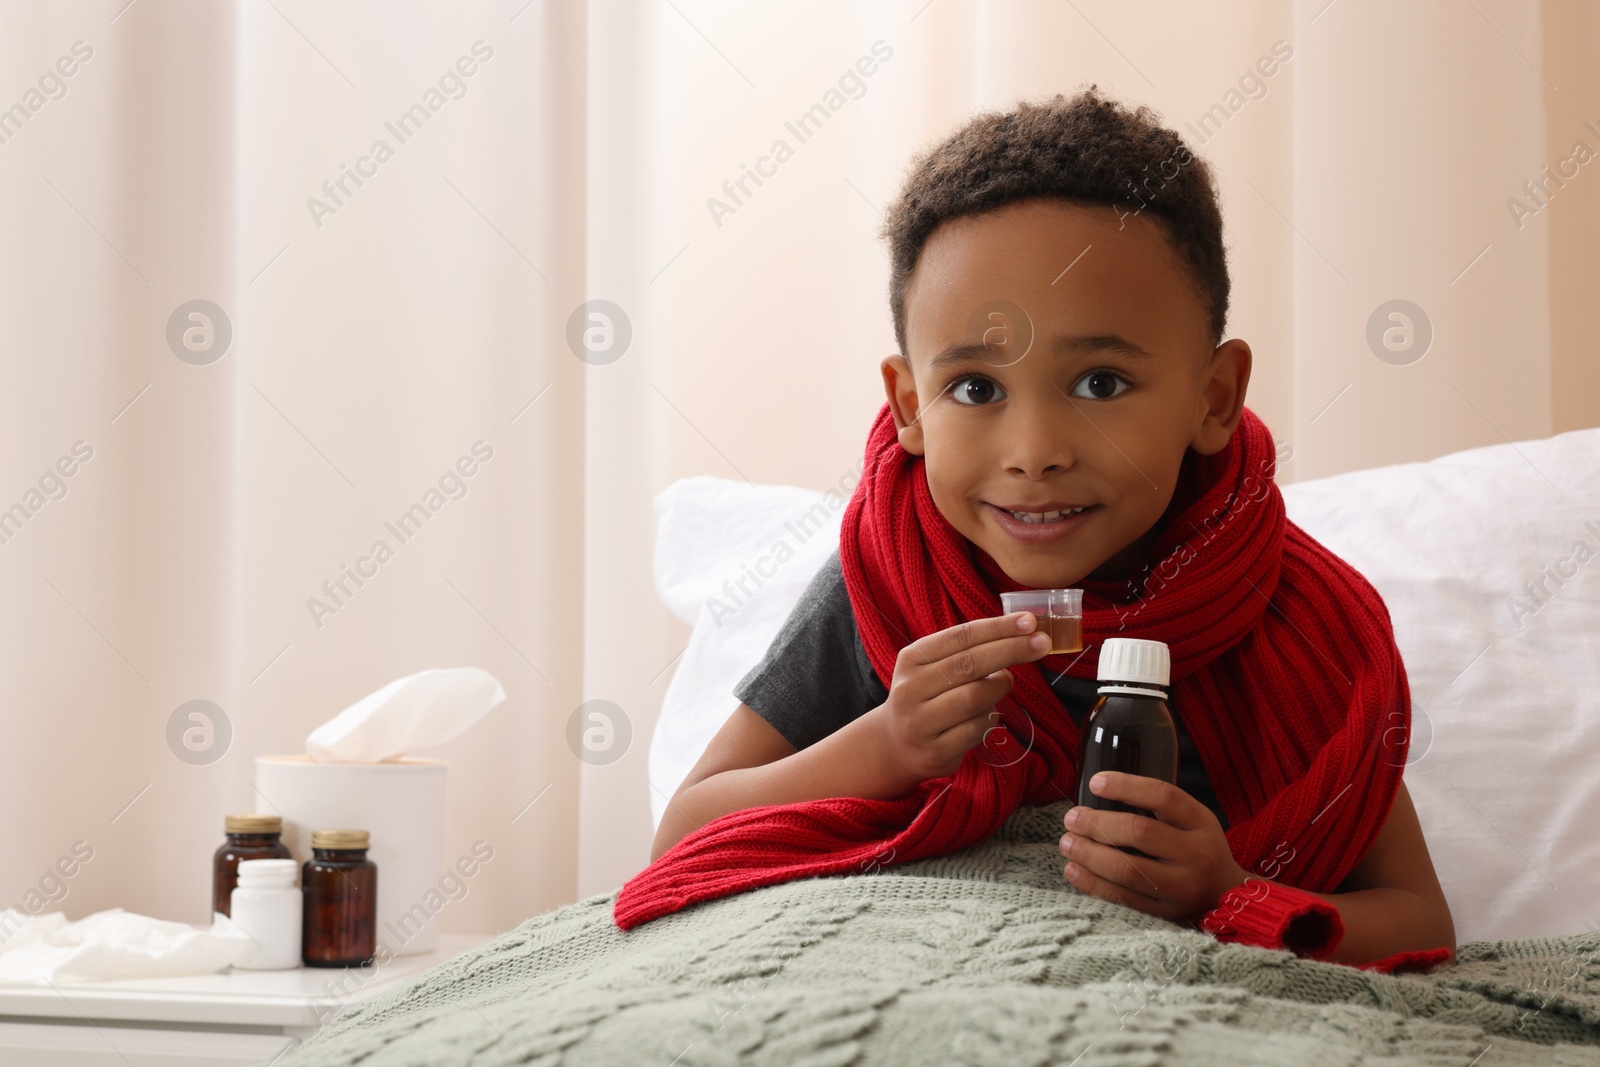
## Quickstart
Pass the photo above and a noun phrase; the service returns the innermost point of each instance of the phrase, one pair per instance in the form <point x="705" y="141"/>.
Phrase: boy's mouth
<point x="1034" y="523"/>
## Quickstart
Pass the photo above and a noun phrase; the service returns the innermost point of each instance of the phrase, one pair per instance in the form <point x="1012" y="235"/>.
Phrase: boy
<point x="1064" y="412"/>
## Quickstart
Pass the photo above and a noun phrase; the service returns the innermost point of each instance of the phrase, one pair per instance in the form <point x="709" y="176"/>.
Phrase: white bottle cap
<point x="1132" y="659"/>
<point x="267" y="874"/>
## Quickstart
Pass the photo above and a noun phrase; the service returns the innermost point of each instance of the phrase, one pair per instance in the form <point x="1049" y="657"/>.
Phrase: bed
<point x="1485" y="559"/>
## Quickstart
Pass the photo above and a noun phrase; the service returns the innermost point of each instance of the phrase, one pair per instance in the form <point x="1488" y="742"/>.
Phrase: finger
<point x="1126" y="829"/>
<point x="1163" y="799"/>
<point x="925" y="682"/>
<point x="1133" y="873"/>
<point x="1087" y="881"/>
<point x="981" y="663"/>
<point x="968" y="708"/>
<point x="972" y="635"/>
<point x="972" y="732"/>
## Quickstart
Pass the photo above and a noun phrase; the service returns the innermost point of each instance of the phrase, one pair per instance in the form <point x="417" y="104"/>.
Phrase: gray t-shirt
<point x="816" y="677"/>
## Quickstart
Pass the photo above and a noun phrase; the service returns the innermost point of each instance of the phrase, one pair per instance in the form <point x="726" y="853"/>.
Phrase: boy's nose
<point x="1038" y="442"/>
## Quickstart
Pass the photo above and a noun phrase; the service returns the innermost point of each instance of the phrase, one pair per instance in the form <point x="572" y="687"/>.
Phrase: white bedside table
<point x="229" y="1019"/>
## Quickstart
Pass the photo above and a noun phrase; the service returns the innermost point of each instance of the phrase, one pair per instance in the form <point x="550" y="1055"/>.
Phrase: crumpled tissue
<point x="417" y="711"/>
<point x="46" y="948"/>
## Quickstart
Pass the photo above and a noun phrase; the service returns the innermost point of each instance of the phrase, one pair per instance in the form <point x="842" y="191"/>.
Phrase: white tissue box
<point x="400" y="803"/>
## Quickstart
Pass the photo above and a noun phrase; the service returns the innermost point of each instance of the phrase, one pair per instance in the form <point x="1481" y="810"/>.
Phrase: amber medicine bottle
<point x="250" y="837"/>
<point x="341" y="900"/>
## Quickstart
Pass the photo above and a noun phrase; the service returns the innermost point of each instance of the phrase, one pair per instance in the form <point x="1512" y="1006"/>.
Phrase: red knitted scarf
<point x="1284" y="671"/>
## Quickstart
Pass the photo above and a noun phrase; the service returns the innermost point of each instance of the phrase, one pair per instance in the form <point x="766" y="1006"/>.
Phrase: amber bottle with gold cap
<point x="250" y="837"/>
<point x="340" y="886"/>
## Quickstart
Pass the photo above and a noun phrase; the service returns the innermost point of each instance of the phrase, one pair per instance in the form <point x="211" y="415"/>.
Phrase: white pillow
<point x="731" y="560"/>
<point x="1505" y="700"/>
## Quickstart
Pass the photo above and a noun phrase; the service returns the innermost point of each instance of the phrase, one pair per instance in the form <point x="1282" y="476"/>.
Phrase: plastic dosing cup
<point x="1059" y="613"/>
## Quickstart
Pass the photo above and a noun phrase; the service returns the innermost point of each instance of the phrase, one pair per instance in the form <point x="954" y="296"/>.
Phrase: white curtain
<point x="396" y="312"/>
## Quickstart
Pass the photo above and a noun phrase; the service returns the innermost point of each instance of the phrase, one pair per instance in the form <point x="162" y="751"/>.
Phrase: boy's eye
<point x="975" y="389"/>
<point x="1101" y="385"/>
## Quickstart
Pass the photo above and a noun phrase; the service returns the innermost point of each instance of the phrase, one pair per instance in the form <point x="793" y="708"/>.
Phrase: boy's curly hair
<point x="1087" y="149"/>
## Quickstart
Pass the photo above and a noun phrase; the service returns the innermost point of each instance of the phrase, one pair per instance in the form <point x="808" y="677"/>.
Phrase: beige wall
<point x="1571" y="41"/>
<point x="368" y="355"/>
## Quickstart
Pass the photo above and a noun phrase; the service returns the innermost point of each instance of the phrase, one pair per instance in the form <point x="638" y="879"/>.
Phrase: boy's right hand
<point x="944" y="688"/>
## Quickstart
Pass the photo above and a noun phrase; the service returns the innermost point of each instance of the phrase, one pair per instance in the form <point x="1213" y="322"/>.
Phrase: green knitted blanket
<point x="984" y="956"/>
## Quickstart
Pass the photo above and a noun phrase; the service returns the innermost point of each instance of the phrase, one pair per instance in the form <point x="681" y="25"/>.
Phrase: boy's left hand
<point x="1189" y="865"/>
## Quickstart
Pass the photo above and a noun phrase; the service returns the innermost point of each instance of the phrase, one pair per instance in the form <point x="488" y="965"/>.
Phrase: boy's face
<point x="1080" y="386"/>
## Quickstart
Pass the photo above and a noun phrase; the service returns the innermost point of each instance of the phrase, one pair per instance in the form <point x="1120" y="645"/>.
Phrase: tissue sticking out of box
<point x="410" y="713"/>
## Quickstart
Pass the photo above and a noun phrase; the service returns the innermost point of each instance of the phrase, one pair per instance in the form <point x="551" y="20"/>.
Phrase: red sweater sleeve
<point x="1272" y="915"/>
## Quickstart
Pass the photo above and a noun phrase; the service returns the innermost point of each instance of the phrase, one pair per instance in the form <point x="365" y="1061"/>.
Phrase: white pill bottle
<point x="266" y="904"/>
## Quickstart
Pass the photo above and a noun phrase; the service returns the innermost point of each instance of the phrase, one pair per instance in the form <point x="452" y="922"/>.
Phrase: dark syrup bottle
<point x="1130" y="728"/>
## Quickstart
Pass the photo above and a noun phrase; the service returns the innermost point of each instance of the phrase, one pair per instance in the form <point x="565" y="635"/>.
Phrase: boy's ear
<point x="1224" y="378"/>
<point x="903" y="402"/>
